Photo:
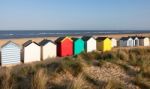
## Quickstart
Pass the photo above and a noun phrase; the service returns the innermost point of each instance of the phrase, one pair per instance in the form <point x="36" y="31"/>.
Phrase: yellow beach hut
<point x="104" y="44"/>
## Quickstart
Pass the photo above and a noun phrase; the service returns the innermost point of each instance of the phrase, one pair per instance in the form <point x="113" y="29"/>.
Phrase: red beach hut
<point x="64" y="46"/>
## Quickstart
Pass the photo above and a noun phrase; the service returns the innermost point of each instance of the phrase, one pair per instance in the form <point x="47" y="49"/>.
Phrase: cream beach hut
<point x="10" y="53"/>
<point x="31" y="52"/>
<point x="48" y="49"/>
<point x="144" y="41"/>
<point x="126" y="42"/>
<point x="113" y="42"/>
<point x="89" y="43"/>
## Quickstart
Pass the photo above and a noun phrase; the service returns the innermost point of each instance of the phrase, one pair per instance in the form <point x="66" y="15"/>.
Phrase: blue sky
<point x="74" y="14"/>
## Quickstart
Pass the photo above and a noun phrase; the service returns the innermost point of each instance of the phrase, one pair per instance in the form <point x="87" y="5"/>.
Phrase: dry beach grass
<point x="117" y="69"/>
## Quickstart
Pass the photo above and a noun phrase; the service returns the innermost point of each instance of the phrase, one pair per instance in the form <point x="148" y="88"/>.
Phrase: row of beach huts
<point x="30" y="51"/>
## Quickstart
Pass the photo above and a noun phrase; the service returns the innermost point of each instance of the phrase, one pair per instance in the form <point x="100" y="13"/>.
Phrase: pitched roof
<point x="133" y="37"/>
<point x="101" y="38"/>
<point x="45" y="41"/>
<point x="60" y="39"/>
<point x="112" y="38"/>
<point x="9" y="43"/>
<point x="28" y="43"/>
<point x="74" y="39"/>
<point x="86" y="38"/>
<point x="142" y="37"/>
<point x="125" y="38"/>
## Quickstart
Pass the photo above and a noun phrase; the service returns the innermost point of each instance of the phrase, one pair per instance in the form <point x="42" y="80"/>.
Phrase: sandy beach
<point x="20" y="41"/>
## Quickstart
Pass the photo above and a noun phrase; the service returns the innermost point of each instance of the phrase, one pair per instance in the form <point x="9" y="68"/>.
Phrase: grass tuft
<point x="6" y="79"/>
<point x="78" y="82"/>
<point x="113" y="84"/>
<point x="39" y="80"/>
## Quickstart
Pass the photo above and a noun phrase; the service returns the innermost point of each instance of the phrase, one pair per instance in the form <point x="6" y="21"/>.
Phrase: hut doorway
<point x="136" y="42"/>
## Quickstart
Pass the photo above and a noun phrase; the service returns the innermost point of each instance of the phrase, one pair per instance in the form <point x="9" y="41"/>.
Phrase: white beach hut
<point x="10" y="53"/>
<point x="48" y="49"/>
<point x="114" y="42"/>
<point x="144" y="41"/>
<point x="135" y="40"/>
<point x="126" y="41"/>
<point x="90" y="43"/>
<point x="31" y="52"/>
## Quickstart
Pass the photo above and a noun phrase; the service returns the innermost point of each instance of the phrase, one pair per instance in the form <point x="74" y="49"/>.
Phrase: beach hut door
<point x="130" y="43"/>
<point x="136" y="43"/>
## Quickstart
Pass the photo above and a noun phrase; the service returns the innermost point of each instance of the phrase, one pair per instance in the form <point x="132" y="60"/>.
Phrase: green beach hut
<point x="78" y="45"/>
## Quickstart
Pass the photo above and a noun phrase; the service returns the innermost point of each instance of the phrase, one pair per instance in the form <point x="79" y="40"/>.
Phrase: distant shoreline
<point x="20" y="41"/>
<point x="80" y="35"/>
<point x="17" y="34"/>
